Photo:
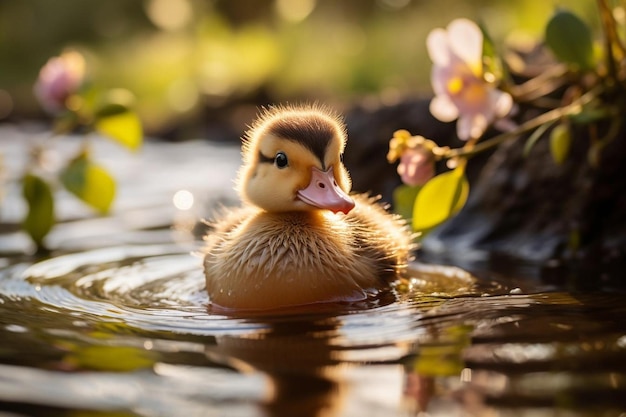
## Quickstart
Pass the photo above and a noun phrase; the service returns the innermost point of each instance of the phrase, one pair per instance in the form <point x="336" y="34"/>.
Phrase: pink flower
<point x="61" y="77"/>
<point x="416" y="167"/>
<point x="457" y="78"/>
<point x="417" y="160"/>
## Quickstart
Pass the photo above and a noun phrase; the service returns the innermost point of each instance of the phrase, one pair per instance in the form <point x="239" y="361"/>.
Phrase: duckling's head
<point x="292" y="161"/>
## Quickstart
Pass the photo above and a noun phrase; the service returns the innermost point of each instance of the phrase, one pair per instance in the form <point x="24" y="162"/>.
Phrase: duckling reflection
<point x="298" y="357"/>
<point x="287" y="246"/>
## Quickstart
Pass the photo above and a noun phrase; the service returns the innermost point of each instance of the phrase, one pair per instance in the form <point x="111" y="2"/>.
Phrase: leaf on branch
<point x="40" y="217"/>
<point x="560" y="142"/>
<point x="111" y="109"/>
<point x="492" y="64"/>
<point x="570" y="39"/>
<point x="591" y="114"/>
<point x="120" y="124"/>
<point x="89" y="182"/>
<point x="403" y="200"/>
<point x="440" y="199"/>
<point x="536" y="135"/>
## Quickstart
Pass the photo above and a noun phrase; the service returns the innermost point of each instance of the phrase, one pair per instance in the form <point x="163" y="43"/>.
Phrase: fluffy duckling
<point x="287" y="245"/>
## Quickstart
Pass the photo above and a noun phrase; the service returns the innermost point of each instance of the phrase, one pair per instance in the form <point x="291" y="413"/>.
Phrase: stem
<point x="532" y="124"/>
<point x="542" y="84"/>
<point x="611" y="39"/>
<point x="468" y="147"/>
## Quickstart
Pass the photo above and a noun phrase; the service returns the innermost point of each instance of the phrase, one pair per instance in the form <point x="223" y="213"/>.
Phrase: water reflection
<point x="304" y="368"/>
<point x="128" y="330"/>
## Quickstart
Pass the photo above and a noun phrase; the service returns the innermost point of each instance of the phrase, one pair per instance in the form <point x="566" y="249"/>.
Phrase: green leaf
<point x="40" y="217"/>
<point x="403" y="200"/>
<point x="532" y="139"/>
<point x="440" y="199"/>
<point x="592" y="114"/>
<point x="570" y="39"/>
<point x="560" y="142"/>
<point x="121" y="126"/>
<point x="111" y="109"/>
<point x="492" y="64"/>
<point x="89" y="182"/>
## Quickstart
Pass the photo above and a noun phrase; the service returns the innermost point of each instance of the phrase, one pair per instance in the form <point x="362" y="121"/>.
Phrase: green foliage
<point x="404" y="199"/>
<point x="591" y="114"/>
<point x="120" y="124"/>
<point x="440" y="199"/>
<point x="536" y="135"/>
<point x="586" y="90"/>
<point x="492" y="64"/>
<point x="89" y="182"/>
<point x="560" y="142"/>
<point x="77" y="105"/>
<point x="40" y="217"/>
<point x="570" y="39"/>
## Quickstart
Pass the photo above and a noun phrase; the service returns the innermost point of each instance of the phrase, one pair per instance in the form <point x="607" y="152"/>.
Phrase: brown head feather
<point x="313" y="126"/>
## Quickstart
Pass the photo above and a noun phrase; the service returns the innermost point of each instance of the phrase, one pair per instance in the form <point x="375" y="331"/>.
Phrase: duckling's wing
<point x="380" y="235"/>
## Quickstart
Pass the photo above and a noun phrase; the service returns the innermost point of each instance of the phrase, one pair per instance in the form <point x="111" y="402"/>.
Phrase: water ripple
<point x="136" y="322"/>
<point x="161" y="288"/>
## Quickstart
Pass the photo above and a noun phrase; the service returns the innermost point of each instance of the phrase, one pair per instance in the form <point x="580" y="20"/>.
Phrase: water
<point x="129" y="331"/>
<point x="116" y="323"/>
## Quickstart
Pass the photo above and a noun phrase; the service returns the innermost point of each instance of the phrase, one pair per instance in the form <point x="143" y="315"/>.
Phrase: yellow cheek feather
<point x="269" y="187"/>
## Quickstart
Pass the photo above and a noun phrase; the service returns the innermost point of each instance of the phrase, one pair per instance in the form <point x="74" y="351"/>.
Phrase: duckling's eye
<point x="341" y="158"/>
<point x="281" y="160"/>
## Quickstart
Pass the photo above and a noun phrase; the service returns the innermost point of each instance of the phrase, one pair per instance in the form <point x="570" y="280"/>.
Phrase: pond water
<point x="115" y="322"/>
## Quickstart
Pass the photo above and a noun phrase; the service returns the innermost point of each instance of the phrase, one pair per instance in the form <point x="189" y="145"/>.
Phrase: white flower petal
<point x="443" y="108"/>
<point x="464" y="127"/>
<point x="466" y="41"/>
<point x="479" y="125"/>
<point x="438" y="48"/>
<point x="471" y="126"/>
<point x="439" y="78"/>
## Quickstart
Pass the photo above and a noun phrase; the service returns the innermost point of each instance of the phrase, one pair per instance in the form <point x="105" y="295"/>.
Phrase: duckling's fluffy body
<point x="287" y="245"/>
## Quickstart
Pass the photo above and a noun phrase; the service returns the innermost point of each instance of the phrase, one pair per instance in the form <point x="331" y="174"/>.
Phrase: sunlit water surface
<point x="130" y="330"/>
<point x="117" y="323"/>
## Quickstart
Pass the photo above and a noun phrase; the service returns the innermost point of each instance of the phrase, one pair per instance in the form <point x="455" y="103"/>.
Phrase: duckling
<point x="300" y="238"/>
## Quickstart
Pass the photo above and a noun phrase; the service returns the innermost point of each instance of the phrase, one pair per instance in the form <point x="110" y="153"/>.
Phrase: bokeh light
<point x="294" y="10"/>
<point x="185" y="60"/>
<point x="169" y="14"/>
<point x="183" y="200"/>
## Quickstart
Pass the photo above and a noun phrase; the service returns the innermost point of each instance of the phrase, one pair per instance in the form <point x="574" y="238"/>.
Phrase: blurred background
<point x="195" y="65"/>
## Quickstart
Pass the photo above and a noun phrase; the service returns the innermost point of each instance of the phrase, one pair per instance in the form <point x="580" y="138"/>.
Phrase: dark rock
<point x="526" y="209"/>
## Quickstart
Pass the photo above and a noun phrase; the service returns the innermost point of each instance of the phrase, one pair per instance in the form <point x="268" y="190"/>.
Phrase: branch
<point x="550" y="116"/>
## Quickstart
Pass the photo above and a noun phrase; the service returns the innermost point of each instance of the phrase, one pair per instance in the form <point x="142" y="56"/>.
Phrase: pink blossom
<point x="417" y="160"/>
<point x="461" y="91"/>
<point x="61" y="77"/>
<point x="416" y="167"/>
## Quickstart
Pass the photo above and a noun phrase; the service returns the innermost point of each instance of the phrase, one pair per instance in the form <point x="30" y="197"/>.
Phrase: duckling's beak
<point x="323" y="192"/>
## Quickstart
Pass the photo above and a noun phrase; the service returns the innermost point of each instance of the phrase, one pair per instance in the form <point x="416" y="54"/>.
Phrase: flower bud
<point x="417" y="166"/>
<point x="61" y="77"/>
